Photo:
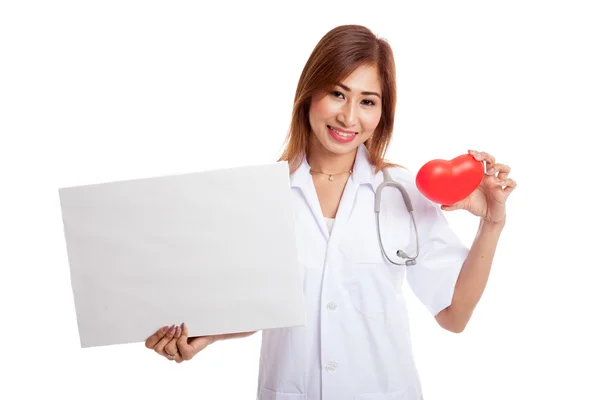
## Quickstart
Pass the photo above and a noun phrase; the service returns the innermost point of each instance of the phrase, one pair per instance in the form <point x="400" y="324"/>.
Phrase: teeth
<point x="342" y="133"/>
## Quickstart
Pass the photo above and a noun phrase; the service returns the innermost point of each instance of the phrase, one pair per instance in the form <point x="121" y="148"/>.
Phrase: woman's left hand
<point x="488" y="200"/>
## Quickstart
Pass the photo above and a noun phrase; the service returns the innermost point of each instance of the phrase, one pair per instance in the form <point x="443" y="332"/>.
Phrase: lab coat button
<point x="331" y="306"/>
<point x="331" y="366"/>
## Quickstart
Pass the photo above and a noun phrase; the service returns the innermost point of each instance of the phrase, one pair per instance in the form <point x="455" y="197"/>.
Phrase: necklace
<point x="330" y="175"/>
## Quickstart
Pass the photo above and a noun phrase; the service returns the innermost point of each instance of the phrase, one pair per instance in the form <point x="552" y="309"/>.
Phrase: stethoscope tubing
<point x="389" y="182"/>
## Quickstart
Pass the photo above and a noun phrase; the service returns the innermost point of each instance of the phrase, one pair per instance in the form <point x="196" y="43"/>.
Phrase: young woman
<point x="356" y="344"/>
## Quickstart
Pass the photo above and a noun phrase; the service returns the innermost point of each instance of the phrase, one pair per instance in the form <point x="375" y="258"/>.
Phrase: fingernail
<point x="491" y="171"/>
<point x="182" y="325"/>
<point x="501" y="182"/>
<point x="177" y="330"/>
<point x="172" y="328"/>
<point x="164" y="329"/>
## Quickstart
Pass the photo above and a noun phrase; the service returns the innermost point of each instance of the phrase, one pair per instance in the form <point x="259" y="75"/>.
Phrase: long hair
<point x="335" y="57"/>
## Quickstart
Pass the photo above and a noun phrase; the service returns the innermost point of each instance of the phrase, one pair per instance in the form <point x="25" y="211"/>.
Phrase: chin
<point x="341" y="149"/>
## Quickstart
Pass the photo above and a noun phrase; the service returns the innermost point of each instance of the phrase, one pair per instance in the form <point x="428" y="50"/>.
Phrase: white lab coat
<point x="356" y="343"/>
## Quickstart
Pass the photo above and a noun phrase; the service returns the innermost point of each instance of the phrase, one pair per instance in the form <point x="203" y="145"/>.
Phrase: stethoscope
<point x="388" y="181"/>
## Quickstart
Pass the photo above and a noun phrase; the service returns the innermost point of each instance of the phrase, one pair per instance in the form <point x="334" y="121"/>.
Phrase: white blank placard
<point x="213" y="249"/>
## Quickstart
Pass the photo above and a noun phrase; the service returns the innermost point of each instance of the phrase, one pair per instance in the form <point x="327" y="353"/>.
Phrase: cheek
<point x="321" y="108"/>
<point x="371" y="120"/>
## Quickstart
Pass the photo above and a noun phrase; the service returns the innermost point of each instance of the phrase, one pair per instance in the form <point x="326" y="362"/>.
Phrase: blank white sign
<point x="213" y="249"/>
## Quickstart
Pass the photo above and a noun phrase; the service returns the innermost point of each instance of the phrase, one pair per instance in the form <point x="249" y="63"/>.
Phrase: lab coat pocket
<point x="372" y="283"/>
<point x="362" y="245"/>
<point x="363" y="253"/>
<point x="364" y="297"/>
<point x="368" y="279"/>
<point x="267" y="394"/>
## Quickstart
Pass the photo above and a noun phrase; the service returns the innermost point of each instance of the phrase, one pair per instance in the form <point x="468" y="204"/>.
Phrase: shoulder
<point x="402" y="175"/>
<point x="407" y="179"/>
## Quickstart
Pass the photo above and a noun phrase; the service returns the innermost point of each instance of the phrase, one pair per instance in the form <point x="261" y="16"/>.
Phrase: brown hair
<point x="335" y="57"/>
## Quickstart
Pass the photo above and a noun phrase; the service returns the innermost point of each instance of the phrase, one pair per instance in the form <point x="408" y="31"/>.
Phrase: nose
<point x="348" y="115"/>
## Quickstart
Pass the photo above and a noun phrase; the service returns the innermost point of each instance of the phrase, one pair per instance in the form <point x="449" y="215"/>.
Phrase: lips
<point x="341" y="135"/>
<point x="340" y="129"/>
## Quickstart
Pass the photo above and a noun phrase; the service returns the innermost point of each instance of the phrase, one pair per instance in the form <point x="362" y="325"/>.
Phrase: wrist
<point x="492" y="226"/>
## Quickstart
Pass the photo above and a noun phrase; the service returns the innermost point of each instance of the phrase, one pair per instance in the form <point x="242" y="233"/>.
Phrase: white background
<point x="94" y="92"/>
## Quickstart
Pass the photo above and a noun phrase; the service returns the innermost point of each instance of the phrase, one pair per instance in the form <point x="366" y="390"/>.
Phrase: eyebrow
<point x="346" y="88"/>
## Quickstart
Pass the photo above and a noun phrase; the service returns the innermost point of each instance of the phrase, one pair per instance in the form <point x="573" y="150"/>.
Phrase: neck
<point x="322" y="160"/>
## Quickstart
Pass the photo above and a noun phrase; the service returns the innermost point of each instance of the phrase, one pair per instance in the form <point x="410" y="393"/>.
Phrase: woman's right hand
<point x="174" y="344"/>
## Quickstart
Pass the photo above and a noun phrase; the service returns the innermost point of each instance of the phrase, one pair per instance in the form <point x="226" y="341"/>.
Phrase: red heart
<point x="448" y="182"/>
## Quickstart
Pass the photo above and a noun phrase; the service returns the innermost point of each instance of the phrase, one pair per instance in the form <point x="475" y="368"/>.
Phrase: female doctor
<point x="356" y="343"/>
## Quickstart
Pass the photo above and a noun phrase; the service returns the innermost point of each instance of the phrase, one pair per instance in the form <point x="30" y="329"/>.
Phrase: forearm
<point x="473" y="278"/>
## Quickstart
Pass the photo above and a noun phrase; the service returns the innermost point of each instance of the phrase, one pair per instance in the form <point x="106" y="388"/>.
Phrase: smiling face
<point x="348" y="115"/>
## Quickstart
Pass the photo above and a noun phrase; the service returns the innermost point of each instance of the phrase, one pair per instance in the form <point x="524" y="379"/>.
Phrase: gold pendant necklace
<point x="330" y="175"/>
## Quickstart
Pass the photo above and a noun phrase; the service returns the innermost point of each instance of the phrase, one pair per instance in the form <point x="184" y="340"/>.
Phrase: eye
<point x="372" y="103"/>
<point x="338" y="94"/>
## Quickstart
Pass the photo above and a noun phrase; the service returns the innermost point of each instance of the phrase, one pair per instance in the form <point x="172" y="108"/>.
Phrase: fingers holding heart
<point x="493" y="168"/>
<point x="502" y="169"/>
<point x="488" y="159"/>
<point x="508" y="185"/>
<point x="502" y="179"/>
<point x="457" y="206"/>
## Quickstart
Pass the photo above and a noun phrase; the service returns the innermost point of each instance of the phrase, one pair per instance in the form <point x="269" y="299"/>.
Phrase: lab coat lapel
<point x="345" y="209"/>
<point x="302" y="180"/>
<point x="362" y="173"/>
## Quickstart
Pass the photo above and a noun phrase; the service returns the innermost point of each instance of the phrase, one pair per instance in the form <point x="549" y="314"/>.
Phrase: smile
<point x="342" y="132"/>
<point x="341" y="136"/>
